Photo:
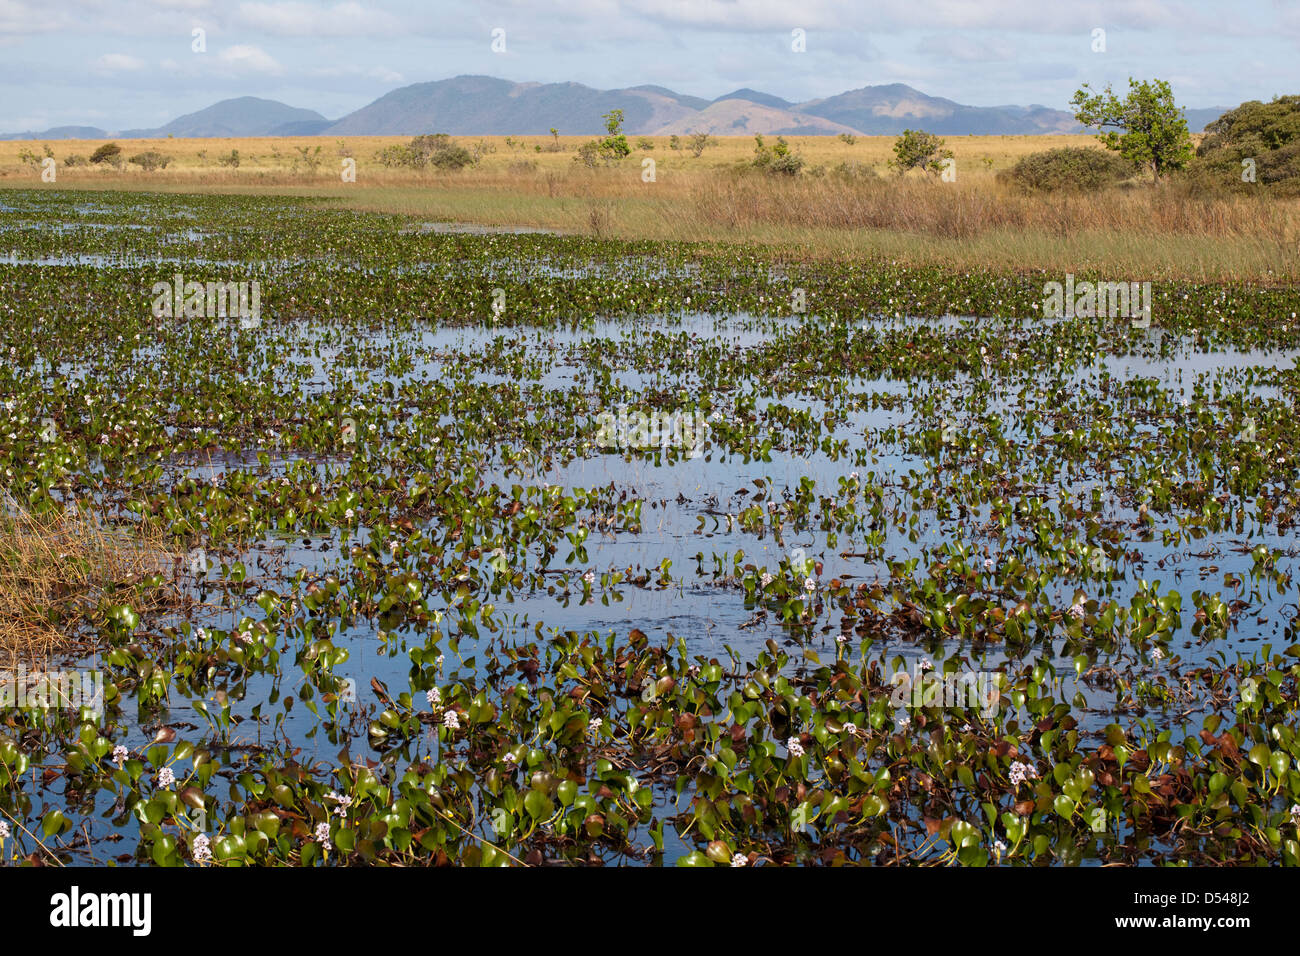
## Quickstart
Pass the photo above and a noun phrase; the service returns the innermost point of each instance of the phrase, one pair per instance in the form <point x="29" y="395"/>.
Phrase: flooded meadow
<point x="498" y="547"/>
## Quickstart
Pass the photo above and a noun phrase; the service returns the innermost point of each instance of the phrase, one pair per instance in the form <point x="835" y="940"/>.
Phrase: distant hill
<point x="485" y="105"/>
<point x="890" y="109"/>
<point x="243" y="116"/>
<point x="468" y="105"/>
<point x="60" y="132"/>
<point x="737" y="117"/>
<point x="754" y="96"/>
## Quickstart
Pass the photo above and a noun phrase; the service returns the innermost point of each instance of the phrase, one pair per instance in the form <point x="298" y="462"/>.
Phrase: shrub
<point x="917" y="149"/>
<point x="848" y="138"/>
<point x="777" y="158"/>
<point x="588" y="154"/>
<point x="309" y="157"/>
<point x="232" y="160"/>
<point x="150" y="160"/>
<point x="854" y="171"/>
<point x="645" y="143"/>
<point x="108" y="153"/>
<point x="437" y="150"/>
<point x="1069" y="168"/>
<point x="699" y="141"/>
<point x="1267" y="133"/>
<point x="612" y="148"/>
<point x="674" y="142"/>
<point x="75" y="160"/>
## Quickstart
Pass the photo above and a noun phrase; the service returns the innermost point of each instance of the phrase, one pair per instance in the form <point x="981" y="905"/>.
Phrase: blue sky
<point x="129" y="63"/>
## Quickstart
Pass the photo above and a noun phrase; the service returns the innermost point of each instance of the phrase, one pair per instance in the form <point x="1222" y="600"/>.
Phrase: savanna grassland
<point x="847" y="203"/>
<point x="749" y="520"/>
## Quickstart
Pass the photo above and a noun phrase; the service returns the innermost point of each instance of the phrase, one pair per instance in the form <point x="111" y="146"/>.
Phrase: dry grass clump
<point x="55" y="567"/>
<point x="963" y="210"/>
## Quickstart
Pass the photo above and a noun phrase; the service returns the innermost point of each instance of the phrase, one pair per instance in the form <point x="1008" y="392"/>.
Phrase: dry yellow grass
<point x="976" y="221"/>
<point x="54" y="565"/>
<point x="976" y="155"/>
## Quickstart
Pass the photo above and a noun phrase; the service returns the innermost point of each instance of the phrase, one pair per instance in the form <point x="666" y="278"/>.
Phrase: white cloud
<point x="20" y="18"/>
<point x="964" y="48"/>
<point x="299" y="19"/>
<point x="381" y="73"/>
<point x="245" y="58"/>
<point x="118" y="63"/>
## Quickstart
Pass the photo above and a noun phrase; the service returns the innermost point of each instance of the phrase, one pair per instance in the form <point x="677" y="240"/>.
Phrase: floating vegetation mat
<point x="519" y="549"/>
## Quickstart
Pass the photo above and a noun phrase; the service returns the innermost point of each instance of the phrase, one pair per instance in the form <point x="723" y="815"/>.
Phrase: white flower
<point x="925" y="664"/>
<point x="594" y="725"/>
<point x="343" y="801"/>
<point x="323" y="835"/>
<point x="1000" y="847"/>
<point x="450" y="720"/>
<point x="201" y="851"/>
<point x="1021" y="772"/>
<point x="1295" y="814"/>
<point x="988" y="564"/>
<point x="165" y="777"/>
<point x="1157" y="654"/>
<point x="434" y="697"/>
<point x="904" y="723"/>
<point x="766" y="579"/>
<point x="1076" y="611"/>
<point x="589" y="577"/>
<point x="739" y="859"/>
<point x="795" y="748"/>
<point x="809" y="585"/>
<point x="349" y="514"/>
<point x="120" y="755"/>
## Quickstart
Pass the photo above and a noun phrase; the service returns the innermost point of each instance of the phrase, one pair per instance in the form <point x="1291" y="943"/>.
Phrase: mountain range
<point x="484" y="105"/>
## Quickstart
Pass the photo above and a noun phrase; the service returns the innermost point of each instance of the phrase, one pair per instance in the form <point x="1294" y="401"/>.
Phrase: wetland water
<point x="418" y="608"/>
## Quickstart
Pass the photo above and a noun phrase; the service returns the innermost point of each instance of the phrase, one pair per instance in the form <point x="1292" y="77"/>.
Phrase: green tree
<point x="1147" y="128"/>
<point x="917" y="149"/>
<point x="614" y="146"/>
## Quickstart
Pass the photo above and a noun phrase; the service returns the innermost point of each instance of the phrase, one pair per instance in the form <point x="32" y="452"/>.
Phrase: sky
<point x="121" y="64"/>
